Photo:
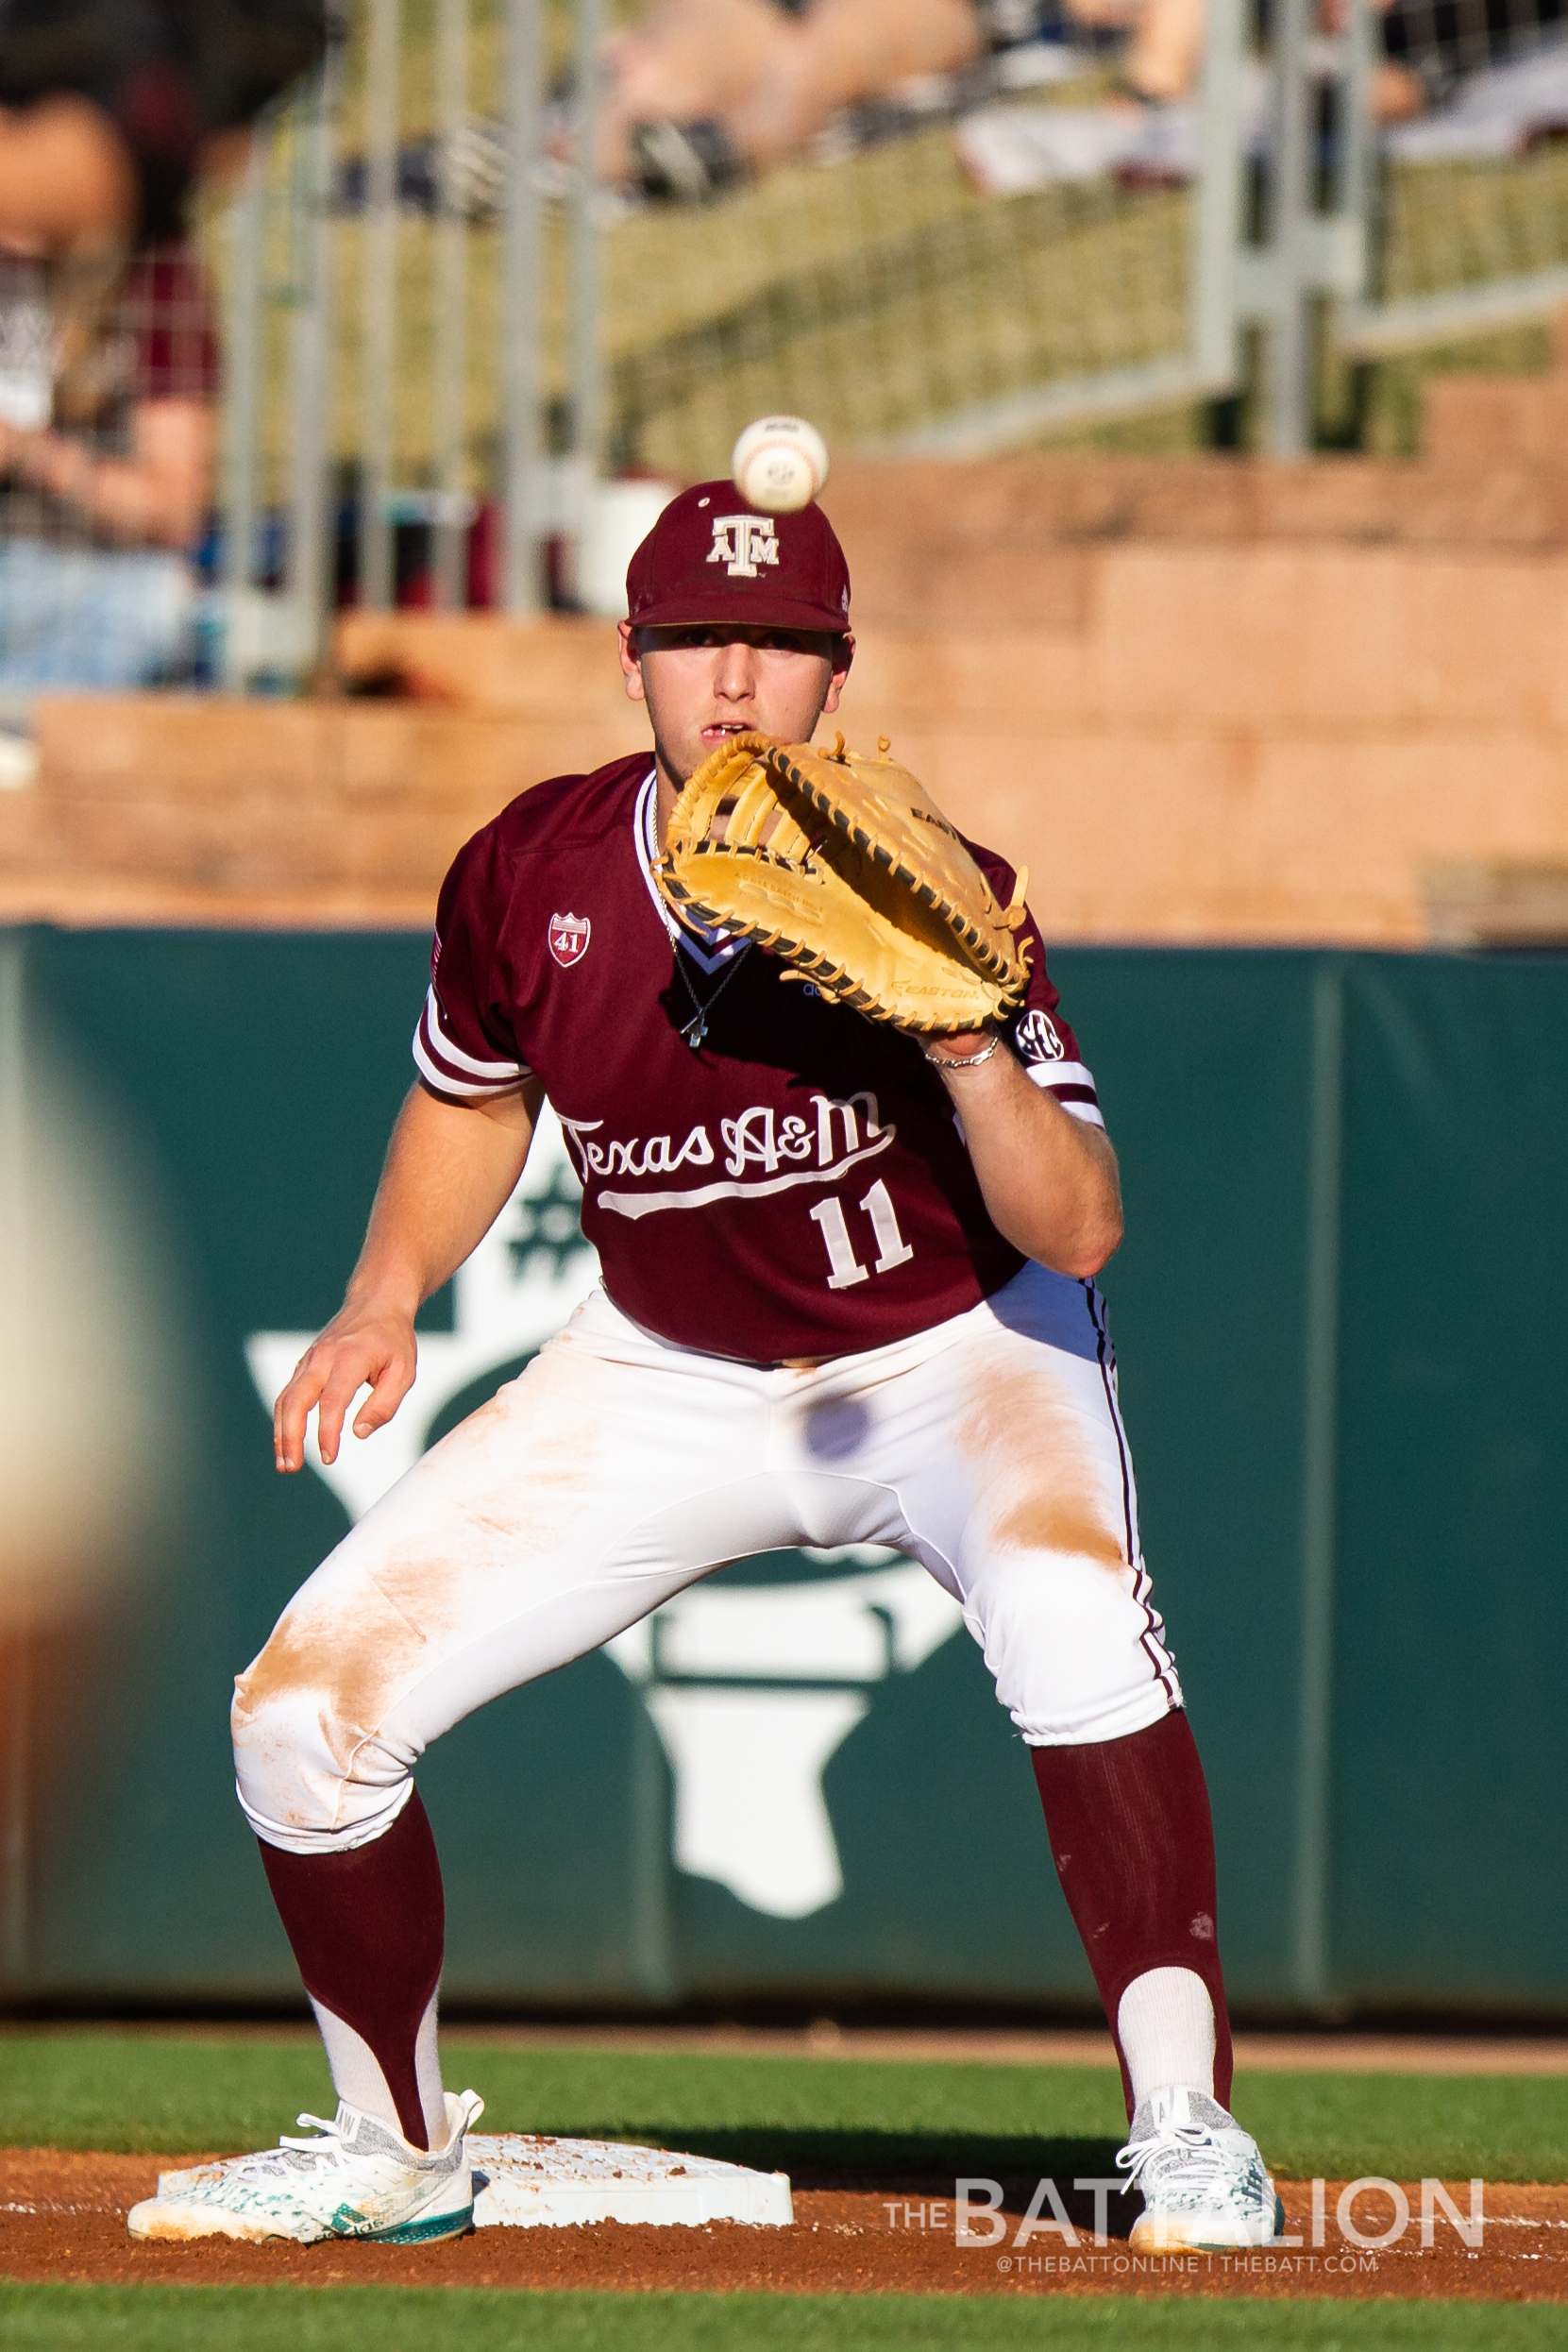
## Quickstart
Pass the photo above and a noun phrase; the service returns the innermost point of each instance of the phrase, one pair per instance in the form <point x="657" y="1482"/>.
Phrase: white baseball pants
<point x="618" y="1470"/>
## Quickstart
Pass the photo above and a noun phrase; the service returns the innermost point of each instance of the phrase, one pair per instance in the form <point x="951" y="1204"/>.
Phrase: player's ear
<point x="631" y="661"/>
<point x="843" y="655"/>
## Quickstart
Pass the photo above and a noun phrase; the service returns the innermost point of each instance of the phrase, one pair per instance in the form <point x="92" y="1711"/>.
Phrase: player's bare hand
<point x="374" y="1348"/>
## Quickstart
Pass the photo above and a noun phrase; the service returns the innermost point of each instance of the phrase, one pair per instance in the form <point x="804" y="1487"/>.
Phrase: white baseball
<point x="780" y="463"/>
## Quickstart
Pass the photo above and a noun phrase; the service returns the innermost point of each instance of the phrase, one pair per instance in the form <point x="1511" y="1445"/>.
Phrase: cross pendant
<point x="695" y="1031"/>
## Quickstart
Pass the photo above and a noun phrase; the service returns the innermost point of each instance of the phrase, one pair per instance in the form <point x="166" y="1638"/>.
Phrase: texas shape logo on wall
<point x="752" y="1688"/>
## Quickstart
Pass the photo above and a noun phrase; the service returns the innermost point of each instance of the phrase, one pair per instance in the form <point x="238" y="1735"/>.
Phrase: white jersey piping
<point x="708" y="948"/>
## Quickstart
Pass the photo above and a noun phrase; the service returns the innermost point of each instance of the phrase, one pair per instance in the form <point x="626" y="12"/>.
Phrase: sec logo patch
<point x="569" y="939"/>
<point x="1038" y="1038"/>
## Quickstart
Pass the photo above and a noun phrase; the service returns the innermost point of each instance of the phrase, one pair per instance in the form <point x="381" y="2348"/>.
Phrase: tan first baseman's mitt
<point x="841" y="865"/>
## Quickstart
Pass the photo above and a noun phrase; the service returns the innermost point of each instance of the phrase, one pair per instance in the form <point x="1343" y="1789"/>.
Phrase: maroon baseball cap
<point x="710" y="558"/>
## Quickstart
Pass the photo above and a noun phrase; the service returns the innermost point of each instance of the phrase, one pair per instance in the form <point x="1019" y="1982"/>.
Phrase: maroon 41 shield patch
<point x="568" y="937"/>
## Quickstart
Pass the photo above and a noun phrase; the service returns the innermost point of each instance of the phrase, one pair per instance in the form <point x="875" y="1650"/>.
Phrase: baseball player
<point x="848" y="1297"/>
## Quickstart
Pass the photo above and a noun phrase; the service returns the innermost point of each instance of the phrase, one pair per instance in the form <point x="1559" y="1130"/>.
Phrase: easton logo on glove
<point x="842" y="866"/>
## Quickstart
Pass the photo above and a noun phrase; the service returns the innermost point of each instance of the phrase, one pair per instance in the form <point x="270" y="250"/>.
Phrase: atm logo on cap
<point x="742" y="543"/>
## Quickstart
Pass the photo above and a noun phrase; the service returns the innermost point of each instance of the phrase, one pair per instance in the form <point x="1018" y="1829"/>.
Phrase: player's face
<point x="701" y="684"/>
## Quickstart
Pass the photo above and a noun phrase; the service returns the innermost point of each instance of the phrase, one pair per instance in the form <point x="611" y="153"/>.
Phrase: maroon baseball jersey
<point x="795" y="1184"/>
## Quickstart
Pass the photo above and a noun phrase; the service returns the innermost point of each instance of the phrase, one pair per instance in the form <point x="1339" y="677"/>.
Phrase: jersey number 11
<point x="845" y="1267"/>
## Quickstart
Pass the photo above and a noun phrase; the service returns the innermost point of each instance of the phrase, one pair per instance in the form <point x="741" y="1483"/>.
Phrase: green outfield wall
<point x="1339" y="1311"/>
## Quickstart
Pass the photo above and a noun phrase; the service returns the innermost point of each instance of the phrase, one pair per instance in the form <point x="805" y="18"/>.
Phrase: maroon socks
<point x="1131" y="1836"/>
<point x="1133" y="1841"/>
<point x="367" y="1928"/>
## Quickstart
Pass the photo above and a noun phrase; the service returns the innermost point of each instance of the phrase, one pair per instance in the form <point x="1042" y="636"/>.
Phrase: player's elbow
<point x="1090" y="1248"/>
<point x="1079" y="1251"/>
<point x="1087" y="1243"/>
<point x="1068" y="1218"/>
<point x="1104" y="1247"/>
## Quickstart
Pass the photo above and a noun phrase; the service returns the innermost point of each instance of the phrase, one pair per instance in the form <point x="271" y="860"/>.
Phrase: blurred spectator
<point x="703" y="90"/>
<point x="1165" y="41"/>
<point x="1165" y="46"/>
<point x="107" y="432"/>
<point x="1435" y="44"/>
<point x="111" y="109"/>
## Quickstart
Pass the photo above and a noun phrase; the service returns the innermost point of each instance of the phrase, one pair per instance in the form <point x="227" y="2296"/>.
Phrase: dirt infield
<point x="62" y="2217"/>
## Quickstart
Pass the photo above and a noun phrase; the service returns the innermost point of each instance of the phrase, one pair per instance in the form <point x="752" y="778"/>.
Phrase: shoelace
<point x="287" y="2156"/>
<point x="1185" y="2140"/>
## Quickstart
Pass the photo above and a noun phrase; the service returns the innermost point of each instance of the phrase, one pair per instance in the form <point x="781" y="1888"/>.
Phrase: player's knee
<point x="1071" y="1654"/>
<point x="281" y="1745"/>
<point x="310" y="1775"/>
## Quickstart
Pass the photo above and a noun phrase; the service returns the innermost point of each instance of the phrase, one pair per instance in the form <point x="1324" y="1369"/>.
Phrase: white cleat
<point x="1206" y="2188"/>
<point x="358" y="2180"/>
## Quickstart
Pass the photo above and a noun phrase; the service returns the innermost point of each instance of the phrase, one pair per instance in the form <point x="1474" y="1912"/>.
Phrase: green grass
<point x="171" y="2092"/>
<point x="168" y="2091"/>
<point x="354" y="2319"/>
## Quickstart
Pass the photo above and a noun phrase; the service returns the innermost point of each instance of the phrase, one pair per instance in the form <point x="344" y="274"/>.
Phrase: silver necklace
<point x="696" y="1029"/>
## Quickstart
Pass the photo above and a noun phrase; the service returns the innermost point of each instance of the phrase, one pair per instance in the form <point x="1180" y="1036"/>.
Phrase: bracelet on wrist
<point x="962" y="1062"/>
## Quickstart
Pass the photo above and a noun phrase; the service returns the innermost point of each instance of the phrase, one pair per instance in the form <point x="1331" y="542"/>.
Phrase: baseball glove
<point x="841" y="865"/>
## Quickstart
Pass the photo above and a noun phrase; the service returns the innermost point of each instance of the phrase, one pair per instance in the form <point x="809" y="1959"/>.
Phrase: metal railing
<point x="1464" y="213"/>
<point x="410" y="340"/>
<point x="1414" y="233"/>
<point x="445" y="327"/>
